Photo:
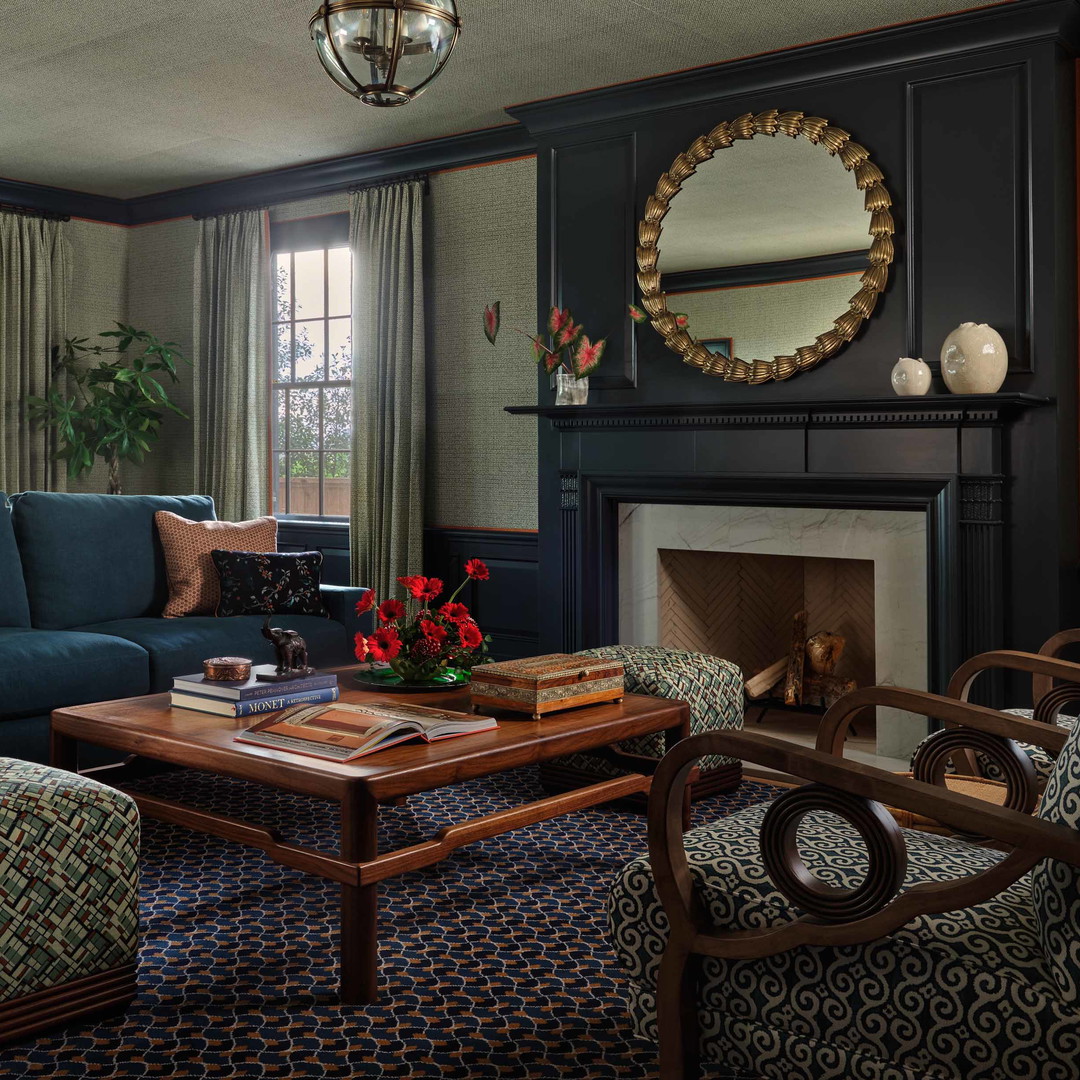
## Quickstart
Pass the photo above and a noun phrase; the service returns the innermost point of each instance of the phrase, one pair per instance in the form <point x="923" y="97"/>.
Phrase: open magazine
<point x="342" y="732"/>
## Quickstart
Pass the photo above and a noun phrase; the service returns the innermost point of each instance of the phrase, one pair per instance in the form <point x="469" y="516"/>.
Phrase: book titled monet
<point x="254" y="707"/>
<point x="344" y="732"/>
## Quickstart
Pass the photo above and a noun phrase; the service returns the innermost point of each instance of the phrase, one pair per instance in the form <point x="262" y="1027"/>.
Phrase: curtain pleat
<point x="231" y="363"/>
<point x="34" y="280"/>
<point x="387" y="505"/>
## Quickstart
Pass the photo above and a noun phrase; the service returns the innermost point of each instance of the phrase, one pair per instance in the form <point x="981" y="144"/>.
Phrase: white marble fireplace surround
<point x="894" y="540"/>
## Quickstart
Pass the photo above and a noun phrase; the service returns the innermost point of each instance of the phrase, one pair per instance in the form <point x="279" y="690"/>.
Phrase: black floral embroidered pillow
<point x="262" y="583"/>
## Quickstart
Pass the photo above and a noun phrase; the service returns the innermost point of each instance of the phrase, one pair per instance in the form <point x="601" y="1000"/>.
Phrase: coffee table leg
<point x="63" y="752"/>
<point x="359" y="905"/>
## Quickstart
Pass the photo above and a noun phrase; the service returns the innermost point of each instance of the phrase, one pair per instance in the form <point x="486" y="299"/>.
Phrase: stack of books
<point x="251" y="697"/>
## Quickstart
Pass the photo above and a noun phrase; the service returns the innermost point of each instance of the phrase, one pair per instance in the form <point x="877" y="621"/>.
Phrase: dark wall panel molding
<point x="589" y="230"/>
<point x="968" y="258"/>
<point x="505" y="606"/>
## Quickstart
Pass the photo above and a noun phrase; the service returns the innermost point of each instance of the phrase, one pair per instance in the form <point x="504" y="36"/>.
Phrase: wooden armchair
<point x="853" y="947"/>
<point x="1043" y="707"/>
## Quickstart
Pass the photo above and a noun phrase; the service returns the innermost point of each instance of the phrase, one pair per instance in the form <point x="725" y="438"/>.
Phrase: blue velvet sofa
<point x="82" y="587"/>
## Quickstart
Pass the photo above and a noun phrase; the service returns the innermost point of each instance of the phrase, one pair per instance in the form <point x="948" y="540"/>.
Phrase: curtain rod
<point x="385" y="181"/>
<point x="31" y="211"/>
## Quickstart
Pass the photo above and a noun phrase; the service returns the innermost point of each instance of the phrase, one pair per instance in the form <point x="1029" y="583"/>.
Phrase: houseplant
<point x="423" y="644"/>
<point x="568" y="353"/>
<point x="115" y="410"/>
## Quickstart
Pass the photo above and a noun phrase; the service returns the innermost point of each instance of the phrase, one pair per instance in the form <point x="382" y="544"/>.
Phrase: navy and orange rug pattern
<point x="495" y="962"/>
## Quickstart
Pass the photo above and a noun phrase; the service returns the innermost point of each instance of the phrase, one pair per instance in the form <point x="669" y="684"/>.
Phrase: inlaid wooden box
<point x="545" y="684"/>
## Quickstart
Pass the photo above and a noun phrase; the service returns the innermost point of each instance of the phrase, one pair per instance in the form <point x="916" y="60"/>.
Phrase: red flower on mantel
<point x="384" y="644"/>
<point x="477" y="570"/>
<point x="564" y="334"/>
<point x="587" y="356"/>
<point x="391" y="609"/>
<point x="366" y="602"/>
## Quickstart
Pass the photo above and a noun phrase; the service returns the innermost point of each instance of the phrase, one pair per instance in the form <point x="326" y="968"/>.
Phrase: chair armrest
<point x="341" y="601"/>
<point x="855" y="792"/>
<point x="1052" y="646"/>
<point x="951" y="710"/>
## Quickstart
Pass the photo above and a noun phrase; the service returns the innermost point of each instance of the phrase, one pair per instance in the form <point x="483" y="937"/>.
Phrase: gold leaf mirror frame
<point x="868" y="178"/>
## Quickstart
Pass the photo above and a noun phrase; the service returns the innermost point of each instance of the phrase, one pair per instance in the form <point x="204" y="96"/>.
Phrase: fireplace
<point x="936" y="478"/>
<point x="728" y="580"/>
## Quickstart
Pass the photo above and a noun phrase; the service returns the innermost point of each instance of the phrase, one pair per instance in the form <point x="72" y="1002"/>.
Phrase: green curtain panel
<point x="34" y="280"/>
<point x="387" y="509"/>
<point x="232" y="366"/>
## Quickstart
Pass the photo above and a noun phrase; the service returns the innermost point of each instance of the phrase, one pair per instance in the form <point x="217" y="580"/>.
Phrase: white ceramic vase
<point x="974" y="359"/>
<point x="910" y="376"/>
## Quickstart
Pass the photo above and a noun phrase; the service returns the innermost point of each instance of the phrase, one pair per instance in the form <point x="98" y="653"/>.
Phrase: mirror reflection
<point x="764" y="246"/>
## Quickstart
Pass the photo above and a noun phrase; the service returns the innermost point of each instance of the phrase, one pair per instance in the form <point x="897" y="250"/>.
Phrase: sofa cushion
<point x="194" y="587"/>
<point x="179" y="646"/>
<point x="41" y="670"/>
<point x="93" y="558"/>
<point x="14" y="608"/>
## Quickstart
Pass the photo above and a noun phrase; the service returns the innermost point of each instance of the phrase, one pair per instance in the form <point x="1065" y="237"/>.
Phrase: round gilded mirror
<point x="775" y="251"/>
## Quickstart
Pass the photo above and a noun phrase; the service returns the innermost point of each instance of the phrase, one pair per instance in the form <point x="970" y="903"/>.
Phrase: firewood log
<point x="826" y="689"/>
<point x="793" y="684"/>
<point x="823" y="651"/>
<point x="761" y="683"/>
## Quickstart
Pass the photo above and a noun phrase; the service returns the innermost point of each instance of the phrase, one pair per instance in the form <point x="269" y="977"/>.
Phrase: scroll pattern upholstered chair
<point x="1041" y="685"/>
<point x="69" y="890"/>
<point x="712" y="687"/>
<point x="850" y="947"/>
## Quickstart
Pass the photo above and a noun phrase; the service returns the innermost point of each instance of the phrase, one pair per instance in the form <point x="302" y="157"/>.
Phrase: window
<point x="312" y="376"/>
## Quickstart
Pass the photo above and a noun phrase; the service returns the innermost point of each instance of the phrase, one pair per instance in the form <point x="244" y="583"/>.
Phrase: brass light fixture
<point x="385" y="52"/>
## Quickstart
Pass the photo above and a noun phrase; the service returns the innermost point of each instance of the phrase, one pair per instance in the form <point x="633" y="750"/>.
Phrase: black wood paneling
<point x="589" y="226"/>
<point x="505" y="606"/>
<point x="331" y="538"/>
<point x="968" y="206"/>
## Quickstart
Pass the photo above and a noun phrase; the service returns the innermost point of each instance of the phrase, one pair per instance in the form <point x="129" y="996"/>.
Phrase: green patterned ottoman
<point x="69" y="891"/>
<point x="713" y="688"/>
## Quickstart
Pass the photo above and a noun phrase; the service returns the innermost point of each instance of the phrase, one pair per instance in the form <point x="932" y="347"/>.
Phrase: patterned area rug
<point x="495" y="962"/>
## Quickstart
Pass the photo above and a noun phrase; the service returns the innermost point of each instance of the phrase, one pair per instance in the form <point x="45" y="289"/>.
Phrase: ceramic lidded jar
<point x="974" y="359"/>
<point x="910" y="376"/>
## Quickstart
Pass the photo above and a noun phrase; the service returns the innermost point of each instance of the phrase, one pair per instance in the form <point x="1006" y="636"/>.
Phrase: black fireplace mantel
<point x="953" y="410"/>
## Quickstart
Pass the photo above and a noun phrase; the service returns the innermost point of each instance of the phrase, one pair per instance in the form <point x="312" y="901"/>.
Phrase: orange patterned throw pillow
<point x="194" y="587"/>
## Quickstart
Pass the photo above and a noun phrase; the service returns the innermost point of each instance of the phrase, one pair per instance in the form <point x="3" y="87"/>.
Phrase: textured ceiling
<point x="123" y="98"/>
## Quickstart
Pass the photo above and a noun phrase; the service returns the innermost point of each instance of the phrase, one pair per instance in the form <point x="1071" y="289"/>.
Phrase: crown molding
<point x="279" y="185"/>
<point x="997" y="26"/>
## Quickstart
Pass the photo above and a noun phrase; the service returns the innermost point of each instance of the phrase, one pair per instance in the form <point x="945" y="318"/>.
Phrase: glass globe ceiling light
<point x="385" y="52"/>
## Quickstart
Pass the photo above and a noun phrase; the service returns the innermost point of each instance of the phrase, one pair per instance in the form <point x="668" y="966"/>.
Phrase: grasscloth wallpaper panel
<point x="481" y="237"/>
<point x="97" y="298"/>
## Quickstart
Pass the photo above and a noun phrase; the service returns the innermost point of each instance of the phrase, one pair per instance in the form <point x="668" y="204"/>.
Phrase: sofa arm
<point x="69" y="877"/>
<point x="341" y="601"/>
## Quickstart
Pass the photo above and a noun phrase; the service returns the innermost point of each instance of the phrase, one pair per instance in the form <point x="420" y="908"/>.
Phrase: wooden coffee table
<point x="149" y="728"/>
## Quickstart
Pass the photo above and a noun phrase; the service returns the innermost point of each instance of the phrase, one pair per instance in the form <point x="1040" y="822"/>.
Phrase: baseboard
<point x="94" y="995"/>
<point x="557" y="777"/>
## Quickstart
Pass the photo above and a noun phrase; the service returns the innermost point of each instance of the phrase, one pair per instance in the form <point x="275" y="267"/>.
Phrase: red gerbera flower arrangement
<point x="568" y="349"/>
<point x="422" y="644"/>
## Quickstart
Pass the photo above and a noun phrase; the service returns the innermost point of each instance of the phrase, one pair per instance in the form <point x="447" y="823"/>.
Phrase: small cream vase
<point x="974" y="359"/>
<point x="910" y="377"/>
